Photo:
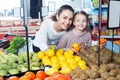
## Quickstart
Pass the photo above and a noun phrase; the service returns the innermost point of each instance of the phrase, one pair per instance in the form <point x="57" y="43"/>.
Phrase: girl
<point x="79" y="34"/>
<point x="51" y="30"/>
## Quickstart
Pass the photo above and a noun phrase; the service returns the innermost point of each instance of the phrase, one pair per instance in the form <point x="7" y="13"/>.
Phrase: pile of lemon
<point x="60" y="60"/>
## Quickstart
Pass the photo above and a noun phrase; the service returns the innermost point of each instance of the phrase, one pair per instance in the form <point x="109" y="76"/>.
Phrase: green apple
<point x="3" y="72"/>
<point x="13" y="71"/>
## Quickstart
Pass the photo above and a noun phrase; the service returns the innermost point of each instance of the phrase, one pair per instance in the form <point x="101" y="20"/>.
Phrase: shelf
<point x="110" y="36"/>
<point x="103" y="6"/>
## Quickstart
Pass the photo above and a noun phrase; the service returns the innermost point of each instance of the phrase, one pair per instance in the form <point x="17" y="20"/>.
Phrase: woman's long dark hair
<point x="59" y="11"/>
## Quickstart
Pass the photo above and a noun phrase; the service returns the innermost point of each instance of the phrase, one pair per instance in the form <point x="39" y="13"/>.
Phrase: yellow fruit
<point x="50" y="71"/>
<point x="81" y="63"/>
<point x="64" y="64"/>
<point x="70" y="51"/>
<point x="56" y="65"/>
<point x="83" y="67"/>
<point x="61" y="58"/>
<point x="46" y="60"/>
<point x="65" y="70"/>
<point x="76" y="47"/>
<point x="68" y="54"/>
<point x="40" y="54"/>
<point x="59" y="52"/>
<point x="54" y="59"/>
<point x="50" y="52"/>
<point x="77" y="58"/>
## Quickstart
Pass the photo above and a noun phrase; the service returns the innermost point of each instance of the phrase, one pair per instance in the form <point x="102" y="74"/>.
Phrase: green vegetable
<point x="15" y="44"/>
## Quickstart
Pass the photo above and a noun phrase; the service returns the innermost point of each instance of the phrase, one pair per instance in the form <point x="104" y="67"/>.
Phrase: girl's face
<point x="65" y="19"/>
<point x="80" y="22"/>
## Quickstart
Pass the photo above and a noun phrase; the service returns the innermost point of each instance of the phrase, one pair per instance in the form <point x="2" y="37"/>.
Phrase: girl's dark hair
<point x="59" y="11"/>
<point x="85" y="14"/>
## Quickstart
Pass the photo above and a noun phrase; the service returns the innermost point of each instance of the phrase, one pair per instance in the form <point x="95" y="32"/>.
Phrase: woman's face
<point x="65" y="19"/>
<point x="80" y="22"/>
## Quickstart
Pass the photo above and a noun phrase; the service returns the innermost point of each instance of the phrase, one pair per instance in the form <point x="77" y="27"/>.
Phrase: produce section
<point x="80" y="65"/>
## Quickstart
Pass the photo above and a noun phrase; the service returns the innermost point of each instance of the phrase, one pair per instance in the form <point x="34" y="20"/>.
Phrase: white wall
<point x="76" y="4"/>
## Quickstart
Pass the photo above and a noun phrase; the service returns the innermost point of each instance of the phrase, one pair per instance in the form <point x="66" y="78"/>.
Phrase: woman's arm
<point x="40" y="40"/>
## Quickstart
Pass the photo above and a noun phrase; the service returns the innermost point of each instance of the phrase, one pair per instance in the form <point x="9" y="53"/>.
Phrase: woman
<point x="51" y="30"/>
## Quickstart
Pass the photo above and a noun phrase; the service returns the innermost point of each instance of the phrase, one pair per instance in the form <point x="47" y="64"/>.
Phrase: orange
<point x="37" y="79"/>
<point x="76" y="47"/>
<point x="54" y="74"/>
<point x="51" y="78"/>
<point x="24" y="78"/>
<point x="102" y="40"/>
<point x="68" y="76"/>
<point x="41" y="75"/>
<point x="30" y="75"/>
<point x="13" y="78"/>
<point x="61" y="77"/>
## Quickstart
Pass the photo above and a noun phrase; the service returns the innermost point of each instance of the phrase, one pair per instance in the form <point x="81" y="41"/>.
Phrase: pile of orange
<point x="41" y="75"/>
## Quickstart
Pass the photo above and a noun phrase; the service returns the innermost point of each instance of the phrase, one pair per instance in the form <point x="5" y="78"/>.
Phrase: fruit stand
<point x="78" y="63"/>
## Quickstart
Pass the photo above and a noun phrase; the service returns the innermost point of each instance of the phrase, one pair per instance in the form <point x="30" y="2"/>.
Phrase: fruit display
<point x="41" y="75"/>
<point x="12" y="64"/>
<point x="108" y="70"/>
<point x="78" y="63"/>
<point x="60" y="60"/>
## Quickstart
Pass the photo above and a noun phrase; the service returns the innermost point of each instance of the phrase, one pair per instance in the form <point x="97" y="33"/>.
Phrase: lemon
<point x="68" y="54"/>
<point x="81" y="63"/>
<point x="64" y="64"/>
<point x="74" y="45"/>
<point x="54" y="59"/>
<point x="61" y="58"/>
<point x="65" y="70"/>
<point x="46" y="60"/>
<point x="59" y="52"/>
<point x="70" y="51"/>
<point x="77" y="58"/>
<point x="83" y="67"/>
<point x="40" y="54"/>
<point x="56" y="65"/>
<point x="51" y="70"/>
<point x="50" y="52"/>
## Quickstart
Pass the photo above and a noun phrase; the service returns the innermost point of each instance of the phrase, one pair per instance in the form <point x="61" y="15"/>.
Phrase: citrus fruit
<point x="76" y="47"/>
<point x="61" y="77"/>
<point x="50" y="78"/>
<point x="54" y="59"/>
<point x="51" y="70"/>
<point x="37" y="79"/>
<point x="13" y="78"/>
<point x="50" y="52"/>
<point x="29" y="74"/>
<point x="81" y="63"/>
<point x="40" y="54"/>
<point x="24" y="78"/>
<point x="77" y="58"/>
<point x="102" y="40"/>
<point x="59" y="52"/>
<point x="41" y="75"/>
